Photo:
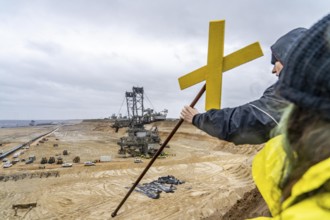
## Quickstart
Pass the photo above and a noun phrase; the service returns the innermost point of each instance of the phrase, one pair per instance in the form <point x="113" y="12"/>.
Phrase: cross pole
<point x="216" y="63"/>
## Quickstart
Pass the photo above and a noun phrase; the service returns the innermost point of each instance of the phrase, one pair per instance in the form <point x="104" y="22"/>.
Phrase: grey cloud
<point x="64" y="59"/>
<point x="49" y="48"/>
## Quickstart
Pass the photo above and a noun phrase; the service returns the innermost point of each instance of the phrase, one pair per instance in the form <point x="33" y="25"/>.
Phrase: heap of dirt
<point x="251" y="205"/>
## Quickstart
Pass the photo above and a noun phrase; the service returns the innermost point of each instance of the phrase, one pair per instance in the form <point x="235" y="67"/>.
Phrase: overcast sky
<point x="75" y="59"/>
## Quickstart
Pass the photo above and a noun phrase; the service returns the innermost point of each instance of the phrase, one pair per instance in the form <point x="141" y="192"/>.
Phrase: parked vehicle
<point x="16" y="160"/>
<point x="89" y="163"/>
<point x="29" y="161"/>
<point x="137" y="160"/>
<point x="67" y="165"/>
<point x="7" y="165"/>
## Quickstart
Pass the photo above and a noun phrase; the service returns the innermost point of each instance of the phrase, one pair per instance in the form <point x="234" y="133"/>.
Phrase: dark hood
<point x="282" y="46"/>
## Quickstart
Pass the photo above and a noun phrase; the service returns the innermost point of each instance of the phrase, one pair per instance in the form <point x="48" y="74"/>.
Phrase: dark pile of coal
<point x="163" y="184"/>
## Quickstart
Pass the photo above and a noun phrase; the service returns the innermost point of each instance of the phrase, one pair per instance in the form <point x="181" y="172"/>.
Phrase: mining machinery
<point x="138" y="140"/>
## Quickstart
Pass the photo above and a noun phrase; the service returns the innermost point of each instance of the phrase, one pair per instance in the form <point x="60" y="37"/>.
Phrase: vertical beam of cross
<point x="214" y="64"/>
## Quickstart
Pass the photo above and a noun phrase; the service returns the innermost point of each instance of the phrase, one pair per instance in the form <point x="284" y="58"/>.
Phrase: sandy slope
<point x="217" y="174"/>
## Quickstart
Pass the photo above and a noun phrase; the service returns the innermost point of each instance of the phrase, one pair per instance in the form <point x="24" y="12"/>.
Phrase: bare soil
<point x="217" y="175"/>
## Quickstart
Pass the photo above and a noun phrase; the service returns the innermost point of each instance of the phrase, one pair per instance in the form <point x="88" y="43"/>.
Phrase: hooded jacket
<point x="251" y="123"/>
<point x="310" y="195"/>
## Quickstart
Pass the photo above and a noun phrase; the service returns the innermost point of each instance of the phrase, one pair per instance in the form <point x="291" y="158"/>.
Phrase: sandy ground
<point x="217" y="175"/>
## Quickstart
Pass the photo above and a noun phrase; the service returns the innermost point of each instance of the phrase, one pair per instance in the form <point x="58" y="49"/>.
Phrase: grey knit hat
<point x="306" y="78"/>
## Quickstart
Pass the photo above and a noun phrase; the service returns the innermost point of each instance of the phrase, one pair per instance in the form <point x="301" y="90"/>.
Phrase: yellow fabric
<point x="267" y="171"/>
<point x="314" y="178"/>
<point x="308" y="209"/>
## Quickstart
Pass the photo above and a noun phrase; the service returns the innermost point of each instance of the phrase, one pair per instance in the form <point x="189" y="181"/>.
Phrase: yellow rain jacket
<point x="268" y="168"/>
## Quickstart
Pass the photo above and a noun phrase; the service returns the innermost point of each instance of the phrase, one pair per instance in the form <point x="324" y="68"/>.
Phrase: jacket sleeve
<point x="242" y="125"/>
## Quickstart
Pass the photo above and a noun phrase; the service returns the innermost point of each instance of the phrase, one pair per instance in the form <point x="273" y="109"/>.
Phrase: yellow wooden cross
<point x="217" y="64"/>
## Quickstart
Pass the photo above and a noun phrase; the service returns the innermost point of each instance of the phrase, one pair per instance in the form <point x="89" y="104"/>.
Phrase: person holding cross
<point x="250" y="123"/>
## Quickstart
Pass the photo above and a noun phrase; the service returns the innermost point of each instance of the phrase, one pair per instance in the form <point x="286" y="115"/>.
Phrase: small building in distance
<point x="105" y="158"/>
